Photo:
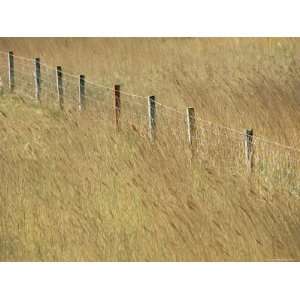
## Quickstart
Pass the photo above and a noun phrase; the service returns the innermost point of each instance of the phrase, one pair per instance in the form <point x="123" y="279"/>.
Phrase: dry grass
<point x="74" y="189"/>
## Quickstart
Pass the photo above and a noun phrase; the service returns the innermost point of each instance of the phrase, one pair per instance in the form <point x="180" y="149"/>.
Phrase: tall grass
<point x="75" y="189"/>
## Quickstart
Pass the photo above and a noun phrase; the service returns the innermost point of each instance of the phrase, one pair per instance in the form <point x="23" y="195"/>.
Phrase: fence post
<point x="152" y="118"/>
<point x="81" y="92"/>
<point x="11" y="71"/>
<point x="59" y="83"/>
<point x="191" y="129"/>
<point x="117" y="105"/>
<point x="249" y="149"/>
<point x="37" y="78"/>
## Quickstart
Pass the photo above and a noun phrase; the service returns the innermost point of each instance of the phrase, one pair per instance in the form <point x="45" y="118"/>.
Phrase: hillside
<point x="238" y="82"/>
<point x="72" y="188"/>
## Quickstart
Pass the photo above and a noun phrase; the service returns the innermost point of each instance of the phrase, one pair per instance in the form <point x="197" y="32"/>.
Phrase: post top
<point x="249" y="131"/>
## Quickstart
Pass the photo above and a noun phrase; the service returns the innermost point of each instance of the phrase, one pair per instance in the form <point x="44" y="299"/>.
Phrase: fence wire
<point x="275" y="166"/>
<point x="216" y="146"/>
<point x="219" y="148"/>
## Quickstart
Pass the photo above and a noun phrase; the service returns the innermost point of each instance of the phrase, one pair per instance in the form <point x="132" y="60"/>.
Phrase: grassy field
<point x="74" y="189"/>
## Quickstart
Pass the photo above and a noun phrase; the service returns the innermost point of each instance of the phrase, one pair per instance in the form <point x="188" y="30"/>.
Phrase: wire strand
<point x="170" y="108"/>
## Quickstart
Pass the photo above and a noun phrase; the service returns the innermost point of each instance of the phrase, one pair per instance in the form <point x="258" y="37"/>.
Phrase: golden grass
<point x="74" y="189"/>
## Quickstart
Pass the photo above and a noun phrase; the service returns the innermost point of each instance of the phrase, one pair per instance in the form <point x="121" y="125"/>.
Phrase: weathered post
<point x="117" y="105"/>
<point x="59" y="83"/>
<point x="81" y="92"/>
<point x="152" y="118"/>
<point x="249" y="151"/>
<point x="11" y="71"/>
<point x="37" y="78"/>
<point x="191" y="129"/>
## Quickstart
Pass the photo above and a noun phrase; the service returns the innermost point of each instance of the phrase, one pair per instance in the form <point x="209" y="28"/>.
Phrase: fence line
<point x="38" y="80"/>
<point x="146" y="98"/>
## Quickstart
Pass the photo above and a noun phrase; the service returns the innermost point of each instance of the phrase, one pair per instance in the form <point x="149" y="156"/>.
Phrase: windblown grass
<point x="72" y="188"/>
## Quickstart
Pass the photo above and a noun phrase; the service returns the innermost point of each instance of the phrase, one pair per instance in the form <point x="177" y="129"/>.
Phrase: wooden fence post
<point x="81" y="92"/>
<point x="11" y="71"/>
<point x="117" y="105"/>
<point x="152" y="118"/>
<point x="191" y="129"/>
<point x="37" y="78"/>
<point x="59" y="84"/>
<point x="249" y="149"/>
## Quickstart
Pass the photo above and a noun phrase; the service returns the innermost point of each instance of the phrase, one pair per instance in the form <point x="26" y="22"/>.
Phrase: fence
<point x="213" y="144"/>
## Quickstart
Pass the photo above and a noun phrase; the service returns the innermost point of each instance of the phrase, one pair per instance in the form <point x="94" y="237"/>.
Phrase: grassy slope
<point x="73" y="189"/>
<point x="238" y="82"/>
